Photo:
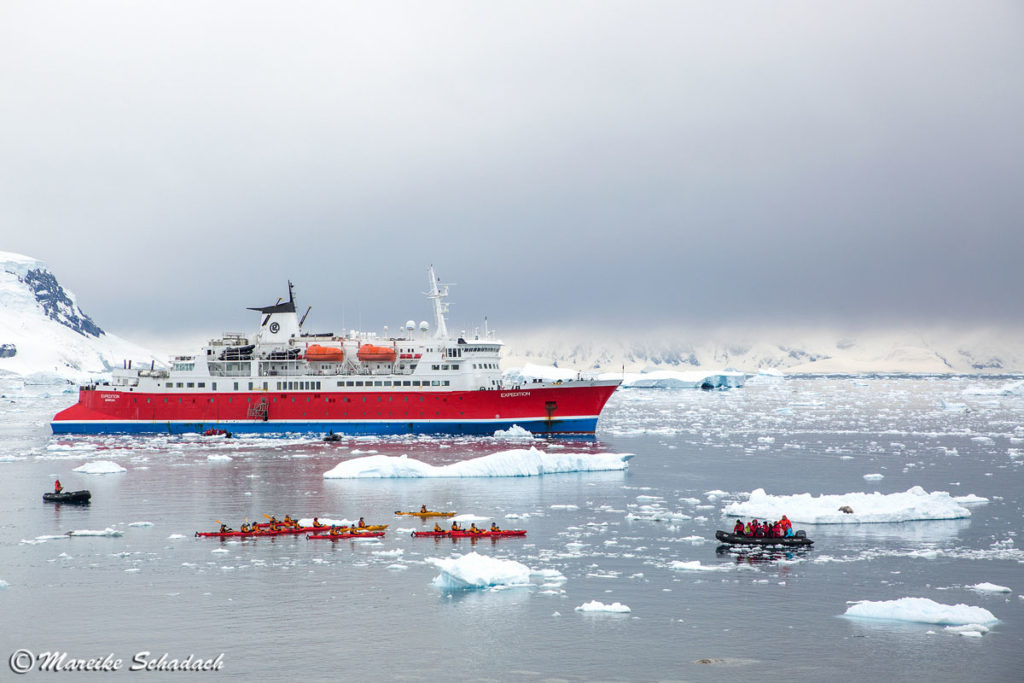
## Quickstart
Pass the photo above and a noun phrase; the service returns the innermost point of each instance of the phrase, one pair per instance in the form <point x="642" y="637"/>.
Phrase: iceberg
<point x="596" y="606"/>
<point x="920" y="610"/>
<point x="989" y="588"/>
<point x="100" y="467"/>
<point x="511" y="463"/>
<point x="514" y="433"/>
<point x="478" y="571"/>
<point x="913" y="504"/>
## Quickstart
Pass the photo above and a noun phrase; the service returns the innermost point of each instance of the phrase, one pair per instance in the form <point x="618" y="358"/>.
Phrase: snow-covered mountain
<point x="44" y="336"/>
<point x="968" y="351"/>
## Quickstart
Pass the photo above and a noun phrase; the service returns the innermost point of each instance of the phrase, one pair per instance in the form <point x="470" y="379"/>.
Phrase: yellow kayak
<point x="368" y="527"/>
<point x="426" y="514"/>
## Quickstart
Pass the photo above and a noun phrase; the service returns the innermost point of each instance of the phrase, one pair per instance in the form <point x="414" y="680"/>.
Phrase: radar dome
<point x="410" y="325"/>
<point x="424" y="326"/>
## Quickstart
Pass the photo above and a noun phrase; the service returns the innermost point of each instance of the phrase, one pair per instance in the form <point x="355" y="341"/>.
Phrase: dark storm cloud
<point x="598" y="162"/>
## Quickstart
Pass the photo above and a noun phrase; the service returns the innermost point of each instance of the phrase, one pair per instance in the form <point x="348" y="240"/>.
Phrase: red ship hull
<point x="570" y="408"/>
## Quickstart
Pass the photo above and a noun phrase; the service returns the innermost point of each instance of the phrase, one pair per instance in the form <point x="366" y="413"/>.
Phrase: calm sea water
<point x="285" y="608"/>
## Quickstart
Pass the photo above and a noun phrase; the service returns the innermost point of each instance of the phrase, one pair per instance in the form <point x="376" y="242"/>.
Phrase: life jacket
<point x="748" y="530"/>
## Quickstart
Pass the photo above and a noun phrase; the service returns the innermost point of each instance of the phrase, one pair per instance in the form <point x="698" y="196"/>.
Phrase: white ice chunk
<point x="478" y="571"/>
<point x="595" y="606"/>
<point x="93" y="532"/>
<point x="695" y="566"/>
<point x="100" y="467"/>
<point x="514" y="433"/>
<point x="510" y="463"/>
<point x="874" y="477"/>
<point x="989" y="588"/>
<point x="920" y="610"/>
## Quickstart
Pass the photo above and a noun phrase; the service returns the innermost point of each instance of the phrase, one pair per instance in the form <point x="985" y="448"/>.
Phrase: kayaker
<point x="456" y="527"/>
<point x="335" y="531"/>
<point x="57" y="488"/>
<point x="423" y="508"/>
<point x="288" y="521"/>
<point x="362" y="523"/>
<point x="473" y="529"/>
<point x="244" y="528"/>
<point x="738" y="529"/>
<point x="495" y="528"/>
<point x="317" y="524"/>
<point x="438" y="529"/>
<point x="225" y="529"/>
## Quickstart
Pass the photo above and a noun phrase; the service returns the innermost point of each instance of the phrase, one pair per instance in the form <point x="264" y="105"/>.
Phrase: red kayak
<point x="260" y="532"/>
<point x="469" y="534"/>
<point x="335" y="537"/>
<point x="236" y="534"/>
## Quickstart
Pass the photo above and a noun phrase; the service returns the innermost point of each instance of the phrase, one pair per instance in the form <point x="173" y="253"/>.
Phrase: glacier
<point x="45" y="338"/>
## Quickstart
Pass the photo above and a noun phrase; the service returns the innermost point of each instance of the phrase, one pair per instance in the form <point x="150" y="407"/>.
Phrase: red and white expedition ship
<point x="285" y="380"/>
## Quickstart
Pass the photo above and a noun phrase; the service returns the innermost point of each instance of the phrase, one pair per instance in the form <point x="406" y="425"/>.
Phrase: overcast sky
<point x="630" y="163"/>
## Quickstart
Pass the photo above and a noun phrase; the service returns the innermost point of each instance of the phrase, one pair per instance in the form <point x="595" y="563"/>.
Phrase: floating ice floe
<point x="989" y="588"/>
<point x="874" y="477"/>
<point x="913" y="504"/>
<point x="100" y="467"/>
<point x="93" y="532"/>
<point x="478" y="571"/>
<point x="595" y="606"/>
<point x="695" y="566"/>
<point x="512" y="463"/>
<point x="920" y="610"/>
<point x="140" y="524"/>
<point x="968" y="630"/>
<point x="218" y="457"/>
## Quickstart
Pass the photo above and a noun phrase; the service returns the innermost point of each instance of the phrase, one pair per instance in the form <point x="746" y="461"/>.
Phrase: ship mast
<point x="437" y="294"/>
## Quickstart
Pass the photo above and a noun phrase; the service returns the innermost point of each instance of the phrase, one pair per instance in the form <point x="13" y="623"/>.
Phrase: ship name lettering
<point x="512" y="394"/>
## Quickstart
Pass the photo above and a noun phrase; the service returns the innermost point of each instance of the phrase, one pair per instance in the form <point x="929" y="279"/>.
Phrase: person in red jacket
<point x="57" y="488"/>
<point x="777" y="530"/>
<point x="738" y="529"/>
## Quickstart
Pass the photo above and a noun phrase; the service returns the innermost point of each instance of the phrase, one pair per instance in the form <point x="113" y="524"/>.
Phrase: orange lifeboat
<point x="324" y="354"/>
<point x="369" y="353"/>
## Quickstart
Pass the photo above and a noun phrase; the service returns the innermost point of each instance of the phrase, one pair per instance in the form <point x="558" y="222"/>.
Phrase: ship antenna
<point x="438" y="292"/>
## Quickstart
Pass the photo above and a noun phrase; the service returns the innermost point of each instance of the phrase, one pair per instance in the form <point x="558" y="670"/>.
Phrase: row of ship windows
<point x="315" y="386"/>
<point x="397" y="383"/>
<point x="485" y="366"/>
